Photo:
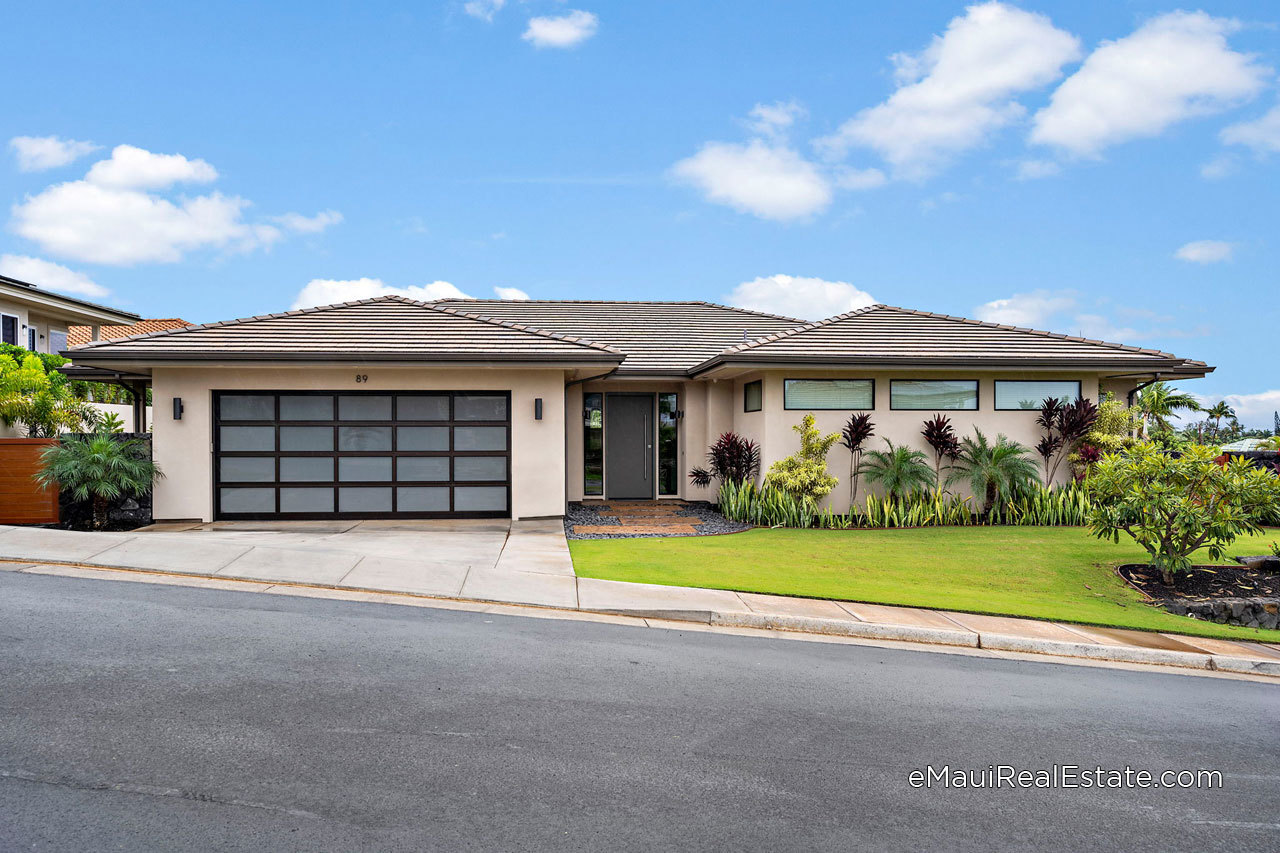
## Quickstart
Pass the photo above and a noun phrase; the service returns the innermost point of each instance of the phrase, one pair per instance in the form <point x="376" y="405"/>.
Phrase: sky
<point x="1108" y="169"/>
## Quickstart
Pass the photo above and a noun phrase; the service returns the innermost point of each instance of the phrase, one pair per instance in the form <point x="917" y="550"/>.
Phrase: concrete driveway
<point x="494" y="560"/>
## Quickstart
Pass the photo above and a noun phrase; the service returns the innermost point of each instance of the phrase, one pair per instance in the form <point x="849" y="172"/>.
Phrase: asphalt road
<point x="145" y="717"/>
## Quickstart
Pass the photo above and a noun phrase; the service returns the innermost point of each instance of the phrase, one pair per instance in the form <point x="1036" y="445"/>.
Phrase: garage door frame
<point x="395" y="453"/>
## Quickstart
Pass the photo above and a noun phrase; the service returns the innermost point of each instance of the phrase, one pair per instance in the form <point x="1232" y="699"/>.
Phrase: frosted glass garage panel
<point x="306" y="469"/>
<point x="247" y="407"/>
<point x="429" y="408"/>
<point x="934" y="395"/>
<point x="480" y="468"/>
<point x="355" y="468"/>
<point x="1027" y="395"/>
<point x="364" y="408"/>
<point x="306" y="499"/>
<point x="479" y="438"/>
<point x="422" y="468"/>
<point x="305" y="407"/>
<point x="248" y="500"/>
<point x="247" y="438"/>
<point x="479" y="498"/>
<point x="480" y="407"/>
<point x="820" y="394"/>
<point x="422" y="438"/>
<point x="305" y="439"/>
<point x="364" y="438"/>
<point x="364" y="499"/>
<point x="247" y="469"/>
<point x="422" y="499"/>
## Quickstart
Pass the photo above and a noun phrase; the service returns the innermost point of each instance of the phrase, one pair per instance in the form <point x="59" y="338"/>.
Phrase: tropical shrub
<point x="898" y="471"/>
<point x="732" y="459"/>
<point x="852" y="438"/>
<point x="1174" y="505"/>
<point x="42" y="402"/>
<point x="1065" y="426"/>
<point x="941" y="436"/>
<point x="769" y="506"/>
<point x="99" y="467"/>
<point x="804" y="473"/>
<point x="993" y="471"/>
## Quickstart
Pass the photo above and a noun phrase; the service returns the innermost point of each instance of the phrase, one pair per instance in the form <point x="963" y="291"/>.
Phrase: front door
<point x="628" y="446"/>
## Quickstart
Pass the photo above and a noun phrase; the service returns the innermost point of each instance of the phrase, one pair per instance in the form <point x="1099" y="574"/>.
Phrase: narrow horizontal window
<point x="753" y="396"/>
<point x="933" y="394"/>
<point x="1017" y="394"/>
<point x="817" y="394"/>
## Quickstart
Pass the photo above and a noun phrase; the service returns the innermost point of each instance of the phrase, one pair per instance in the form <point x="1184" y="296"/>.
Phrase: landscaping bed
<point x="1234" y="595"/>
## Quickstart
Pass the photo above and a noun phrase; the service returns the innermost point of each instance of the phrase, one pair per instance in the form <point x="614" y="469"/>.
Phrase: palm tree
<point x="993" y="470"/>
<point x="898" y="470"/>
<point x="1216" y="413"/>
<point x="852" y="437"/>
<point x="1158" y="402"/>
<point x="99" y="467"/>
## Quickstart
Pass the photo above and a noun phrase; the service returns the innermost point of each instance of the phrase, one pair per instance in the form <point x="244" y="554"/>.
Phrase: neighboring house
<point x="81" y="335"/>
<point x="394" y="408"/>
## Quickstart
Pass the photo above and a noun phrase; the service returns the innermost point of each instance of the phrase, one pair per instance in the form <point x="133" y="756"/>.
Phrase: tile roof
<point x="658" y="337"/>
<point x="80" y="335"/>
<point x="387" y="328"/>
<point x="889" y="335"/>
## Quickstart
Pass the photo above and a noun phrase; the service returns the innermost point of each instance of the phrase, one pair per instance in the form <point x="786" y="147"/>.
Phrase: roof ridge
<point x="786" y="333"/>
<point x="390" y="297"/>
<point x="702" y="302"/>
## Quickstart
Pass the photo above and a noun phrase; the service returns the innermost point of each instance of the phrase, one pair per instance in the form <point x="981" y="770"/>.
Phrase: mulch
<point x="1204" y="583"/>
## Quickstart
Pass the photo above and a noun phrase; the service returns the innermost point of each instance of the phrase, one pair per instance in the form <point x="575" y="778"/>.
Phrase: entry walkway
<point x="528" y="563"/>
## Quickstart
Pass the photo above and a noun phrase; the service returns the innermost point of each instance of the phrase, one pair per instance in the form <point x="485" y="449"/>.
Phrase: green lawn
<point x="1059" y="573"/>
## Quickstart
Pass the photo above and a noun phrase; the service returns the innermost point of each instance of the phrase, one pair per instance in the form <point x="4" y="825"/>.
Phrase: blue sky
<point x="1104" y="168"/>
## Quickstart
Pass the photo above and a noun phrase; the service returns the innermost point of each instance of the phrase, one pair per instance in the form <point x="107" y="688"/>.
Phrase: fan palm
<point x="899" y="470"/>
<point x="99" y="467"/>
<point x="992" y="470"/>
<point x="1158" y="402"/>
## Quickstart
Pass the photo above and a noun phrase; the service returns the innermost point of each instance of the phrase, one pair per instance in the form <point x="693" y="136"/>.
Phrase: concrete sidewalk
<point x="528" y="563"/>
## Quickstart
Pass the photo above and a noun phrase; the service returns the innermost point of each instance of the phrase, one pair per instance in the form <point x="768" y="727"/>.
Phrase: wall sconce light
<point x="537" y="408"/>
<point x="177" y="408"/>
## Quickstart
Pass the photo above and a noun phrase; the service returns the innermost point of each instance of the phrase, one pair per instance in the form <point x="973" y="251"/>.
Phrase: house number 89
<point x="362" y="377"/>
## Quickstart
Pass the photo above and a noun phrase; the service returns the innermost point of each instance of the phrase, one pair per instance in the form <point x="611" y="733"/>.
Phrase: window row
<point x="361" y="499"/>
<point x="326" y="439"/>
<point x="910" y="394"/>
<point x="363" y="407"/>
<point x="354" y="469"/>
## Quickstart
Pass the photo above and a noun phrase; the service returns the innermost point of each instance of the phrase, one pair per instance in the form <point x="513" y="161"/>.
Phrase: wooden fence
<point x="21" y="500"/>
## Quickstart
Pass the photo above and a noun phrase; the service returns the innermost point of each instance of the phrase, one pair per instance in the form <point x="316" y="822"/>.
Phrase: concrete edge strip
<point x="799" y="624"/>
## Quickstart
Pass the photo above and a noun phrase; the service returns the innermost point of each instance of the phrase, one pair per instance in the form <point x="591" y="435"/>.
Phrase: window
<point x="818" y="394"/>
<point x="31" y="338"/>
<point x="9" y="329"/>
<point x="668" y="444"/>
<point x="933" y="394"/>
<point x="593" y="444"/>
<point x="753" y="396"/>
<point x="57" y="341"/>
<point x="1030" y="394"/>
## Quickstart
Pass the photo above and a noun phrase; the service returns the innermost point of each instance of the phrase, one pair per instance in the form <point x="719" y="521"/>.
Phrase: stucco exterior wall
<point x="28" y="318"/>
<point x="184" y="449"/>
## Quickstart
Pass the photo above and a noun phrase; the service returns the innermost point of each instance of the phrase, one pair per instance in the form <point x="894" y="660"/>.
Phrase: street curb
<point x="1246" y="666"/>
<point x="1095" y="651"/>
<point x="840" y="627"/>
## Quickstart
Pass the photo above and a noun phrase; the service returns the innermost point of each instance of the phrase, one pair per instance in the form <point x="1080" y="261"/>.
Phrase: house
<point x="479" y="408"/>
<point x="78" y="336"/>
<point x="40" y="320"/>
<point x="137" y="411"/>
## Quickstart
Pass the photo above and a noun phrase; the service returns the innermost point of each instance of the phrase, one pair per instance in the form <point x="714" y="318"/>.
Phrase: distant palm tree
<point x="898" y="470"/>
<point x="1158" y="402"/>
<point x="993" y="470"/>
<point x="1217" y="412"/>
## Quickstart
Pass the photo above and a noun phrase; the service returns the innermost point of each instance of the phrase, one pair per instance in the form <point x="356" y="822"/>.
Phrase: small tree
<point x="1173" y="506"/>
<point x="852" y="438"/>
<point x="1160" y="401"/>
<point x="1065" y="427"/>
<point x="732" y="459"/>
<point x="804" y="473"/>
<point x="941" y="436"/>
<point x="900" y="470"/>
<point x="42" y="402"/>
<point x="100" y="468"/>
<point x="992" y="470"/>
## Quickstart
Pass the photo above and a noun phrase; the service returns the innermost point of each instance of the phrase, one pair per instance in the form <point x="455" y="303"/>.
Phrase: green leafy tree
<point x="1174" y="505"/>
<point x="43" y="403"/>
<point x="1160" y="401"/>
<point x="899" y="471"/>
<point x="804" y="474"/>
<point x="100" y="468"/>
<point x="994" y="471"/>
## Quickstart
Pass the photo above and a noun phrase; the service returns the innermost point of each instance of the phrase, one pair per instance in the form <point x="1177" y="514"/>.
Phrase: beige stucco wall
<point x="31" y="318"/>
<point x="184" y="449"/>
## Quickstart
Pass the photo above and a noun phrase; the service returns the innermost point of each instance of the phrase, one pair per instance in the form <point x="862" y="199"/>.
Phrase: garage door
<point x="291" y="454"/>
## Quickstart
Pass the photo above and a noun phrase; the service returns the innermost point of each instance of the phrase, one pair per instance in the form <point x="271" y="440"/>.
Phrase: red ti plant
<point x="732" y="459"/>
<point x="941" y="436"/>
<point x="1065" y="425"/>
<point x="852" y="438"/>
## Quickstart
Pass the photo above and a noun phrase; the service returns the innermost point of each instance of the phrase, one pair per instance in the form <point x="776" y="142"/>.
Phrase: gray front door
<point x="628" y="446"/>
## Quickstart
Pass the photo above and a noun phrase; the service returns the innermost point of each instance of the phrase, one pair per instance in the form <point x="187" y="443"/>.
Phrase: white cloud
<point x="300" y="224"/>
<point x="566" y="30"/>
<point x="796" y="296"/>
<point x="327" y="291"/>
<point x="1029" y="170"/>
<point x="1174" y="67"/>
<point x="1034" y="310"/>
<point x="115" y="215"/>
<point x="860" y="179"/>
<point x="770" y="181"/>
<point x="37" y="153"/>
<point x="1262" y="134"/>
<point x="1221" y="166"/>
<point x="130" y="167"/>
<point x="1204" y="251"/>
<point x="483" y="9"/>
<point x="774" y="119"/>
<point x="51" y="276"/>
<point x="960" y="89"/>
<point x="1252" y="410"/>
